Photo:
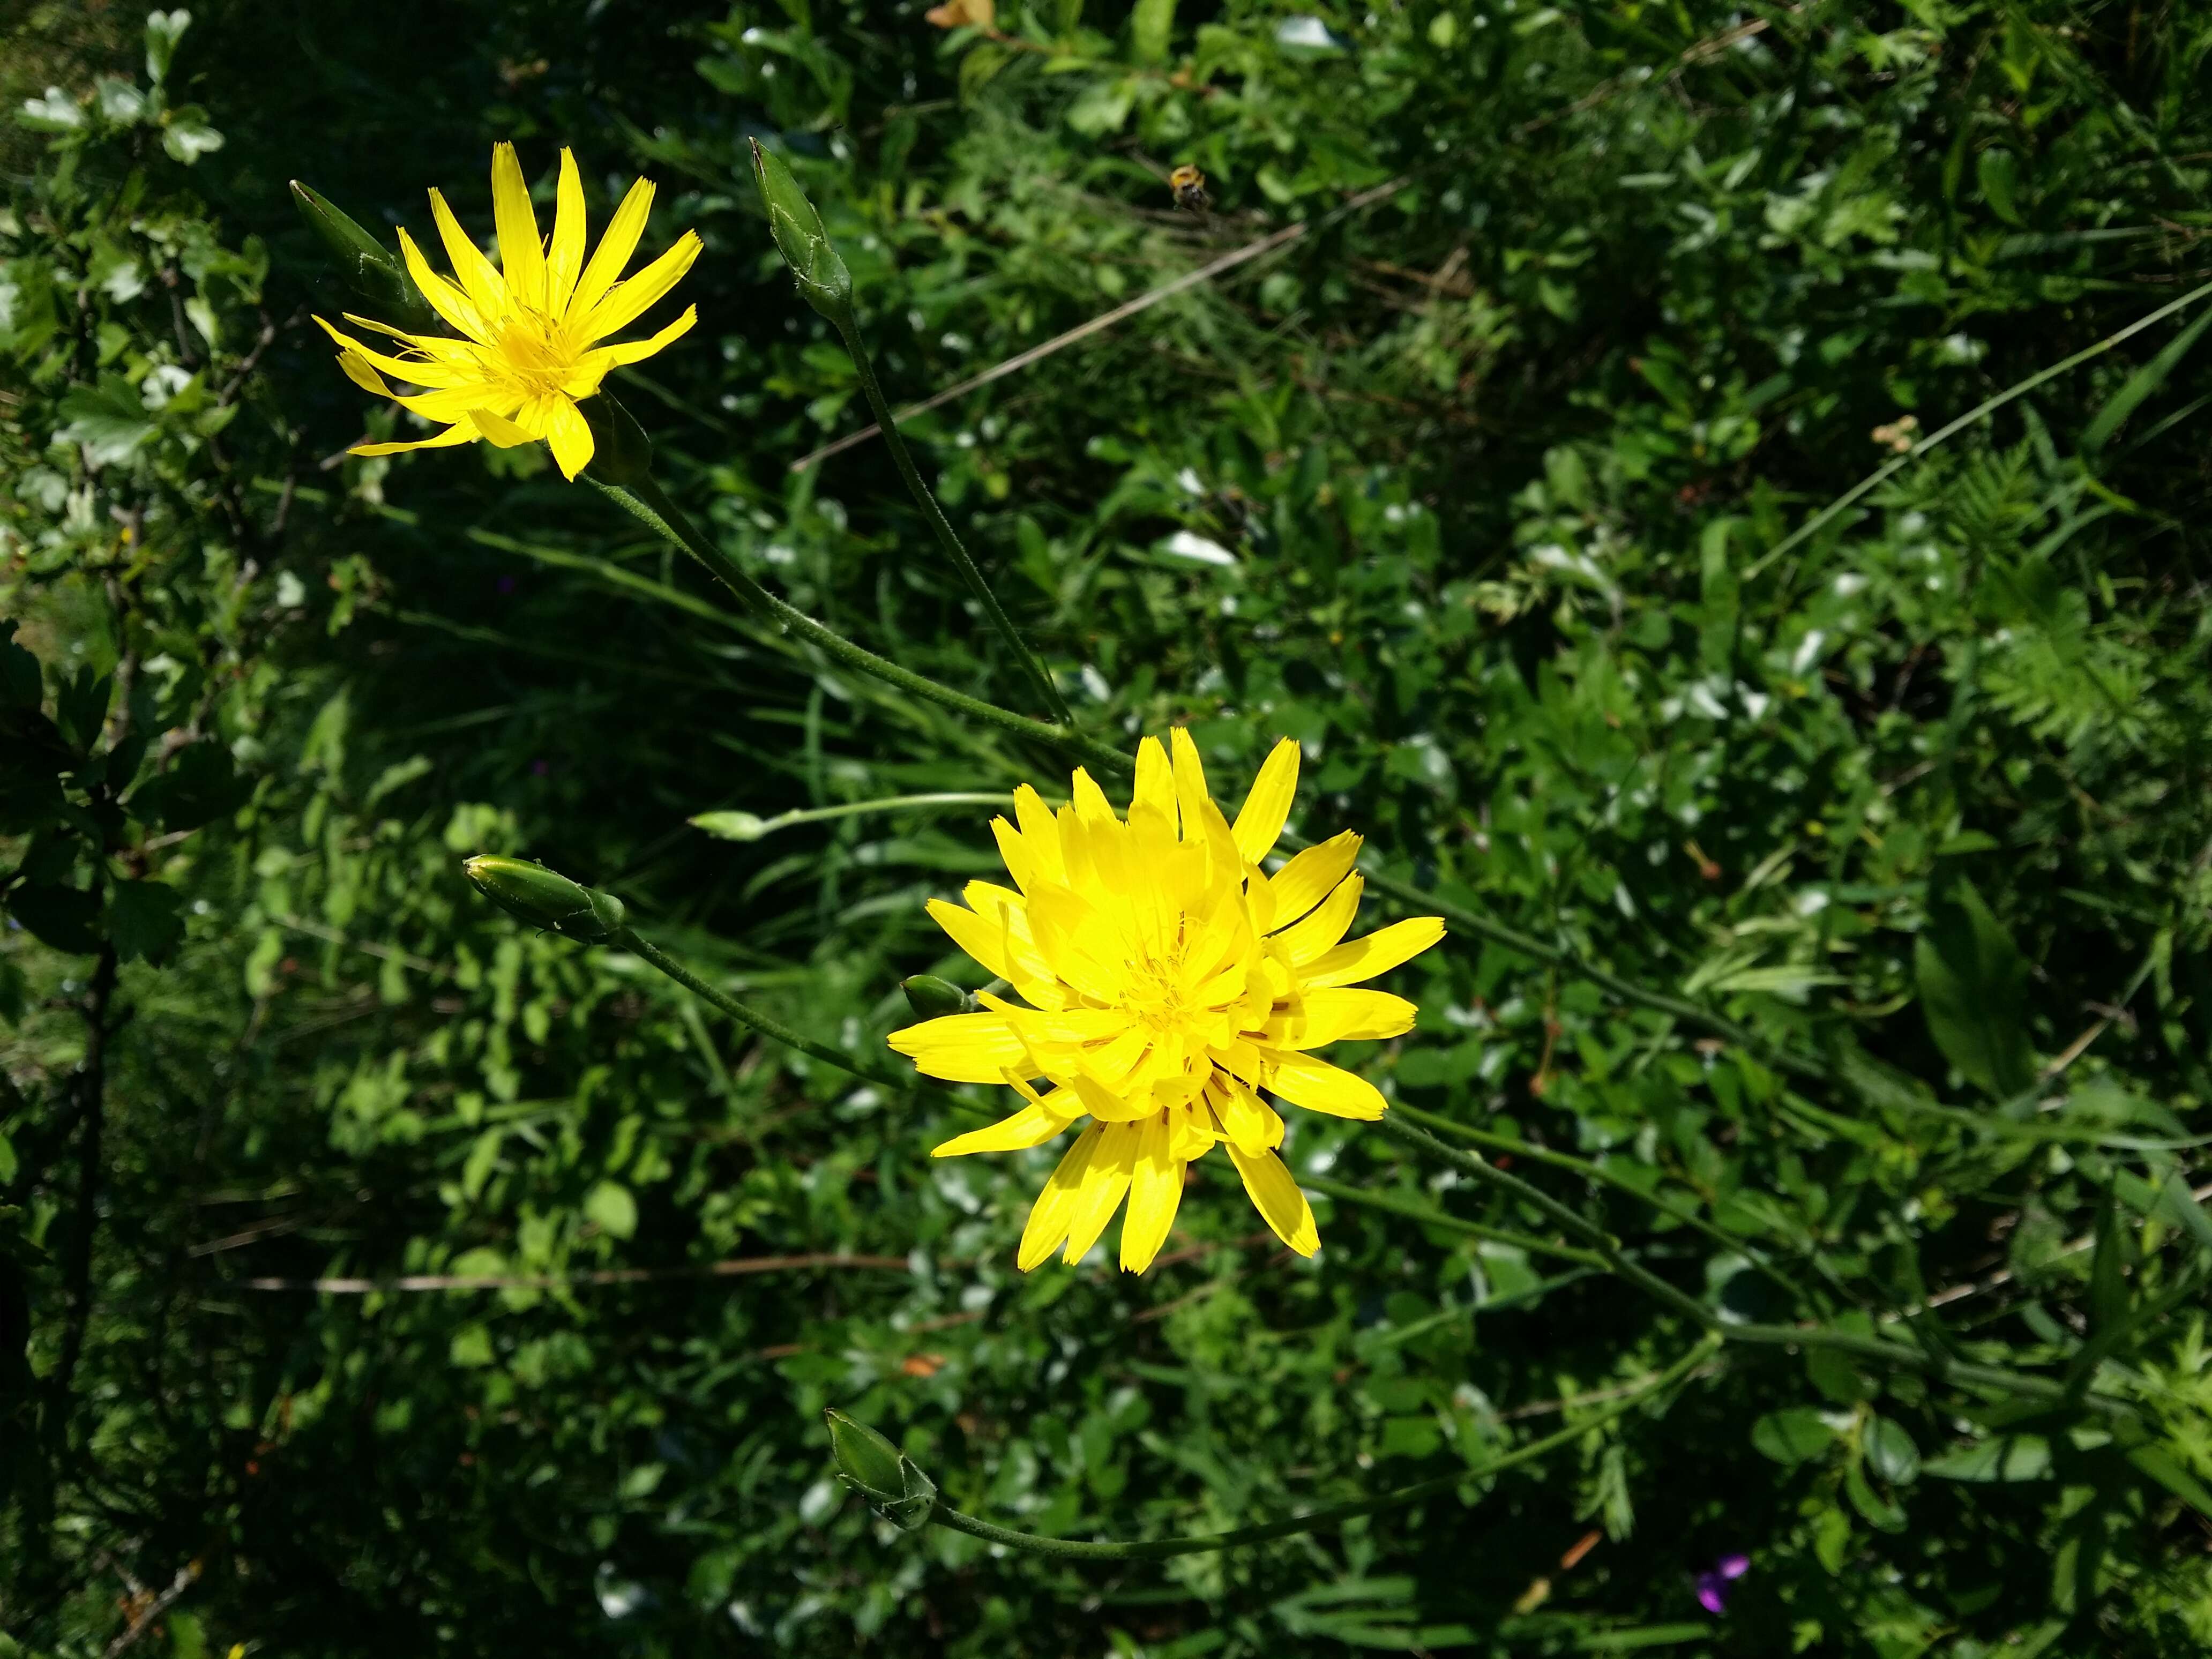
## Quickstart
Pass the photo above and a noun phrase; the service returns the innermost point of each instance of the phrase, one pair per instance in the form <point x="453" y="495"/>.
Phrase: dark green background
<point x="1505" y="463"/>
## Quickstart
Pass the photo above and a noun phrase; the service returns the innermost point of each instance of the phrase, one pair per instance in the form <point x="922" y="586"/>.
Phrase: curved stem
<point x="1881" y="475"/>
<point x="954" y="549"/>
<point x="1155" y="1549"/>
<point x="1604" y="1177"/>
<point x="760" y="827"/>
<point x="651" y="506"/>
<point x="746" y="1014"/>
<point x="1607" y="1247"/>
<point x="1879" y="1350"/>
<point x="1345" y="1193"/>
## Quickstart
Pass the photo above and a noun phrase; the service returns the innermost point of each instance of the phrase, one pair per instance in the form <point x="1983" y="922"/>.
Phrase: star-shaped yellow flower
<point x="1165" y="981"/>
<point x="529" y="328"/>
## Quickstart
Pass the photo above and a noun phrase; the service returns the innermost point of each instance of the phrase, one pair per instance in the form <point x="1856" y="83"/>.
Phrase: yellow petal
<point x="485" y="287"/>
<point x="1321" y="1017"/>
<point x="1269" y="804"/>
<point x="500" y="430"/>
<point x="432" y="375"/>
<point x="1189" y="782"/>
<point x="1030" y="1126"/>
<point x="1277" y="1197"/>
<point x="570" y="437"/>
<point x="454" y="403"/>
<point x="1155" y="789"/>
<point x="1378" y="953"/>
<point x="1321" y="1087"/>
<point x="1246" y="1120"/>
<point x="636" y="351"/>
<point x="961" y="1047"/>
<point x="358" y="371"/>
<point x="1312" y="876"/>
<point x="460" y="433"/>
<point x="1303" y="941"/>
<point x="1056" y="1204"/>
<point x="627" y="300"/>
<point x="564" y="263"/>
<point x="449" y="302"/>
<point x="614" y="250"/>
<point x="521" y="255"/>
<point x="1155" y="1190"/>
<point x="1105" y="1179"/>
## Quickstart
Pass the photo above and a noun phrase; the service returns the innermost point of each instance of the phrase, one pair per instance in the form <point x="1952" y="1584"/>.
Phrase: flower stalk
<point x="825" y="284"/>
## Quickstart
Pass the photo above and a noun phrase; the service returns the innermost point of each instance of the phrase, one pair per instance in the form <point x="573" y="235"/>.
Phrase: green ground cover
<point x="1812" y="1081"/>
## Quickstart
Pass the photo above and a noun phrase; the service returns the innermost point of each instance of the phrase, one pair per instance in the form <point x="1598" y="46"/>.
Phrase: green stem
<point x="1345" y="1193"/>
<point x="746" y="1014"/>
<point x="1875" y="479"/>
<point x="1584" y="1167"/>
<point x="954" y="549"/>
<point x="1877" y="1349"/>
<point x="1155" y="1549"/>
<point x="650" y="506"/>
<point x="854" y="808"/>
<point x="1394" y="1126"/>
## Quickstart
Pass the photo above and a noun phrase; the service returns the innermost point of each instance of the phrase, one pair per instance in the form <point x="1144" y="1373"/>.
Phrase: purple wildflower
<point x="1713" y="1586"/>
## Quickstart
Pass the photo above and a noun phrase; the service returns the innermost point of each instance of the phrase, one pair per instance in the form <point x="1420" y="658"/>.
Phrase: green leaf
<point x="2108" y="1281"/>
<point x="200" y="785"/>
<point x="2006" y="1457"/>
<point x="145" y="920"/>
<point x="1877" y="1510"/>
<point x="1998" y="170"/>
<point x="65" y="918"/>
<point x="1793" y="1436"/>
<point x="163" y="30"/>
<point x="470" y="1347"/>
<point x="1150" y="25"/>
<point x="189" y="136"/>
<point x="2140" y="386"/>
<point x="1890" y="1452"/>
<point x="610" y="1205"/>
<point x="2162" y="1466"/>
<point x="1973" y="993"/>
<point x="109" y="419"/>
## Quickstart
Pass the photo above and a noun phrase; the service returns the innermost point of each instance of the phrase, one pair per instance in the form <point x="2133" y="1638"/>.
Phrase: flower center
<point x="535" y="351"/>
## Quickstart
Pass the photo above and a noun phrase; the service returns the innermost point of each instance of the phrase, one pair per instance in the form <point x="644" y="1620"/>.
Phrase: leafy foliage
<point x="1481" y="487"/>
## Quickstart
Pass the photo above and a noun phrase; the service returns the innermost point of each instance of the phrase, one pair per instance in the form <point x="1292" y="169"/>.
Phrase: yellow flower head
<point x="527" y="351"/>
<point x="1167" y="982"/>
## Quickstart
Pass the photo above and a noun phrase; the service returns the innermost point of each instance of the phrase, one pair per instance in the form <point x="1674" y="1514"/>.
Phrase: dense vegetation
<point x="1831" y="892"/>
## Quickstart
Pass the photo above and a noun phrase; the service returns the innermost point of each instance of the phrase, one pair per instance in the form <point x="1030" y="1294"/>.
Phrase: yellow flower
<point x="527" y="352"/>
<point x="1167" y="982"/>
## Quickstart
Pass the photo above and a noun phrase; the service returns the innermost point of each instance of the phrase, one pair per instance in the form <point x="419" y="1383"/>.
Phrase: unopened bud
<point x="621" y="452"/>
<point x="370" y="269"/>
<point x="824" y="282"/>
<point x="546" y="898"/>
<point x="933" y="998"/>
<point x="881" y="1472"/>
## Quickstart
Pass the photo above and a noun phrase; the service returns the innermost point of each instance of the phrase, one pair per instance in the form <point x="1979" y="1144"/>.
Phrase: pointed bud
<point x="545" y="899"/>
<point x="824" y="282"/>
<point x="881" y="1472"/>
<point x="621" y="452"/>
<point x="372" y="270"/>
<point x="932" y="998"/>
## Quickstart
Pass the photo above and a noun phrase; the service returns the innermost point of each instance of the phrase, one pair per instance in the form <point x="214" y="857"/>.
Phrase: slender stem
<point x="1345" y="1193"/>
<point x="1875" y="1348"/>
<point x="651" y="506"/>
<point x="1881" y="475"/>
<point x="1154" y="1549"/>
<point x="954" y="549"/>
<point x="746" y="1014"/>
<point x="854" y="808"/>
<point x="1599" y="1173"/>
<point x="1607" y="1247"/>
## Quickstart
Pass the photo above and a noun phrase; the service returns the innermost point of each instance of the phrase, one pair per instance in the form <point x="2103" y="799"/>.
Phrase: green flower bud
<point x="546" y="899"/>
<point x="881" y="1472"/>
<point x="824" y="282"/>
<point x="933" y="998"/>
<point x="621" y="452"/>
<point x="732" y="826"/>
<point x="370" y="268"/>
